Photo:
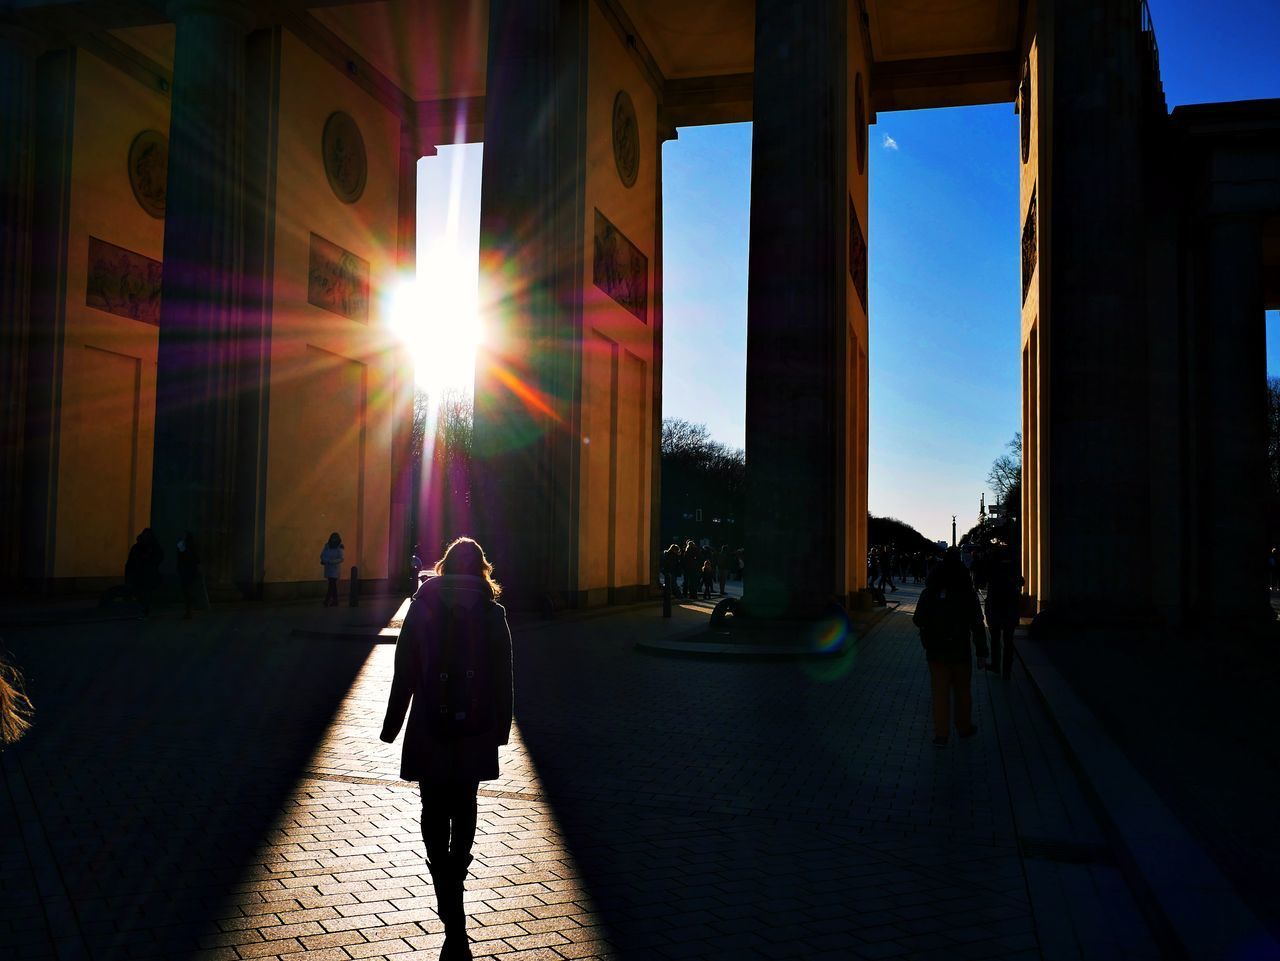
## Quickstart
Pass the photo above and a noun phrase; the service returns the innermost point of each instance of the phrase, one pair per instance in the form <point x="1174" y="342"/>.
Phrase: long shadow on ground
<point x="159" y="761"/>
<point x="757" y="809"/>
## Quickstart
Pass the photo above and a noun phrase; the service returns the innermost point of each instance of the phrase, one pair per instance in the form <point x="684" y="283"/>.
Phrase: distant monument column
<point x="193" y="477"/>
<point x="796" y="309"/>
<point x="525" y="448"/>
<point x="18" y="50"/>
<point x="1233" y="428"/>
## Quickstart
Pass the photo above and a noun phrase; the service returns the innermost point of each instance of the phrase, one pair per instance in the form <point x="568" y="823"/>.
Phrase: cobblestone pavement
<point x="217" y="790"/>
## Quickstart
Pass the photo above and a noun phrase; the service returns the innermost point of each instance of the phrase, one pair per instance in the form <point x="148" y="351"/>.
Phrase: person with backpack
<point x="949" y="616"/>
<point x="453" y="678"/>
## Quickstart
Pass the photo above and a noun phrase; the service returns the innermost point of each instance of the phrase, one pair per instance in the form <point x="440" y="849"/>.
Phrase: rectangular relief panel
<point x="857" y="255"/>
<point x="1030" y="248"/>
<point x="620" y="269"/>
<point x="598" y="465"/>
<point x="123" y="282"/>
<point x="631" y="487"/>
<point x="338" y="280"/>
<point x="329" y="494"/>
<point x="99" y="503"/>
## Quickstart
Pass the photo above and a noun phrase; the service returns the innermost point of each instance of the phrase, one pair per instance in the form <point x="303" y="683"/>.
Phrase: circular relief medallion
<point x="149" y="171"/>
<point x="345" y="162"/>
<point x="860" y="122"/>
<point x="626" y="139"/>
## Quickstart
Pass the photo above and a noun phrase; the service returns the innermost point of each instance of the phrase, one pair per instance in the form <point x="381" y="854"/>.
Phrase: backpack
<point x="459" y="679"/>
<point x="931" y="615"/>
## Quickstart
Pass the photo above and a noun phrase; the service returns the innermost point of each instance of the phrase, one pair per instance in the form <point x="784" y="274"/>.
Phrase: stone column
<point x="18" y="51"/>
<point x="1232" y="435"/>
<point x="193" y="478"/>
<point x="665" y="132"/>
<point x="402" y="473"/>
<point x="1095" y="505"/>
<point x="796" y="314"/>
<point x="525" y="449"/>
<point x="253" y="340"/>
<point x="54" y="125"/>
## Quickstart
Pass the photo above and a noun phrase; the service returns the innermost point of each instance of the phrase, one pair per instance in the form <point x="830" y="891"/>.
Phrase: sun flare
<point x="437" y="316"/>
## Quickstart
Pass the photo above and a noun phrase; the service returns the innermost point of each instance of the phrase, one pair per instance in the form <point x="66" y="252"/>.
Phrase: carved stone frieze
<point x="1029" y="246"/>
<point x="857" y="255"/>
<point x="123" y="282"/>
<point x="620" y="269"/>
<point x="338" y="280"/>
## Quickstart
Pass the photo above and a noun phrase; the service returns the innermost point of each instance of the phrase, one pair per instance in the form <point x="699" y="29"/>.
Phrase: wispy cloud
<point x="889" y="143"/>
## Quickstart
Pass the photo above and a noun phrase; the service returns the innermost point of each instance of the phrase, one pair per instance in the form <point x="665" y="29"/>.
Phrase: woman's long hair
<point x="15" y="709"/>
<point x="465" y="556"/>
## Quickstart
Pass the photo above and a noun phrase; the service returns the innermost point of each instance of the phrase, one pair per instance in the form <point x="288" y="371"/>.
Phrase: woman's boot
<point x="457" y="945"/>
<point x="441" y="881"/>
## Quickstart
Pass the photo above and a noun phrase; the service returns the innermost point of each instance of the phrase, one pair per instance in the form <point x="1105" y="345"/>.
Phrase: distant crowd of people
<point x="700" y="569"/>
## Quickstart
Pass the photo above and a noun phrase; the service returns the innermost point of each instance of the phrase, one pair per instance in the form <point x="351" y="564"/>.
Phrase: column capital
<point x="234" y="11"/>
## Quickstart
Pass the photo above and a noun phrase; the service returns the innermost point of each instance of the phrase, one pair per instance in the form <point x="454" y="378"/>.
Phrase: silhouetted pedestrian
<point x="453" y="662"/>
<point x="671" y="569"/>
<point x="141" y="572"/>
<point x="189" y="576"/>
<point x="1004" y="590"/>
<point x="415" y="568"/>
<point x="692" y="562"/>
<point x="332" y="557"/>
<point x="724" y="561"/>
<point x="949" y="617"/>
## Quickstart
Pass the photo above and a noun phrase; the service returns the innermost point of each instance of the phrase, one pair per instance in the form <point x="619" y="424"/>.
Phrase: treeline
<point x="440" y="470"/>
<point x="901" y="536"/>
<point x="703" y="485"/>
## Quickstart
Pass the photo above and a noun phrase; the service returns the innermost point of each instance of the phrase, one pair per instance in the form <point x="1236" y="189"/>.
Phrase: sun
<point x="437" y="316"/>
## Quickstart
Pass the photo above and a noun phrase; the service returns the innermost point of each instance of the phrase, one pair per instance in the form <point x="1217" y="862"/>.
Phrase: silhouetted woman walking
<point x="453" y="661"/>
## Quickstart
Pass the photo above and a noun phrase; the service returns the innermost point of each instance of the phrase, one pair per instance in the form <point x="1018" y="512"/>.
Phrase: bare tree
<point x="1005" y="476"/>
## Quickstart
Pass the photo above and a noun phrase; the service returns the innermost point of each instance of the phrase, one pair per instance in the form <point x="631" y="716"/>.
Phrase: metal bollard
<point x="355" y="586"/>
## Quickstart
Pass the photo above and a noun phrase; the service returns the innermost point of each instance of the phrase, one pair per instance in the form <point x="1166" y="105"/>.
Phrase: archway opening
<point x="945" y="417"/>
<point x="706" y="215"/>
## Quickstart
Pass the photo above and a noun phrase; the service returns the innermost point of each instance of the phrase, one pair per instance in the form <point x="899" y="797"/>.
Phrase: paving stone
<point x="647" y="807"/>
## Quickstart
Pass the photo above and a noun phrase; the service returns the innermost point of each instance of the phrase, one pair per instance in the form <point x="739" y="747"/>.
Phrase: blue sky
<point x="944" y="265"/>
<point x="944" y="269"/>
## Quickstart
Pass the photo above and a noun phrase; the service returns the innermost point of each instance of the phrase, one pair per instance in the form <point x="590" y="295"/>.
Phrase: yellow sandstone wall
<point x="109" y="362"/>
<point x="617" y="351"/>
<point x="1034" y="179"/>
<point x="332" y="378"/>
<point x="856" y="346"/>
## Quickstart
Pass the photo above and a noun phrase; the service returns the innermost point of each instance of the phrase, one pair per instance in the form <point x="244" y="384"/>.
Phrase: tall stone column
<point x="18" y="51"/>
<point x="193" y="478"/>
<point x="50" y="228"/>
<point x="1232" y="432"/>
<point x="526" y="459"/>
<point x="1095" y="373"/>
<point x="796" y="311"/>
